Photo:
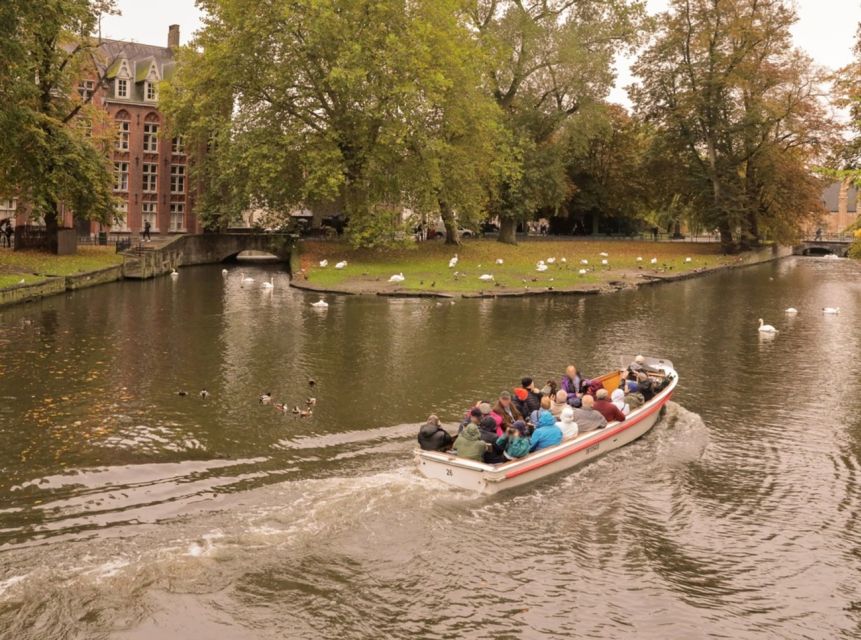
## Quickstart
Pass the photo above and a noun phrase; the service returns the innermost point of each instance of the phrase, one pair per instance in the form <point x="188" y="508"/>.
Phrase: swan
<point x="551" y="260"/>
<point x="563" y="260"/>
<point x="582" y="272"/>
<point x="604" y="254"/>
<point x="831" y="311"/>
<point x="654" y="261"/>
<point x="324" y="263"/>
<point x="224" y="272"/>
<point x="791" y="311"/>
<point x="453" y="262"/>
<point x="688" y="260"/>
<point x="639" y="258"/>
<point x="320" y="304"/>
<point x="270" y="284"/>
<point x="398" y="277"/>
<point x="341" y="265"/>
<point x="499" y="261"/>
<point x="541" y="267"/>
<point x="584" y="261"/>
<point x="766" y="328"/>
<point x="604" y="262"/>
<point x="174" y="273"/>
<point x="486" y="277"/>
<point x="247" y="279"/>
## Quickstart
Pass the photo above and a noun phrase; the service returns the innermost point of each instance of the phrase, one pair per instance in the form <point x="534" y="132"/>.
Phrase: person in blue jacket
<point x="546" y="432"/>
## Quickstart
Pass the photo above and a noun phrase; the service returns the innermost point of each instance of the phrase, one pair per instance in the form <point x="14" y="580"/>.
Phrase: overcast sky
<point x="826" y="28"/>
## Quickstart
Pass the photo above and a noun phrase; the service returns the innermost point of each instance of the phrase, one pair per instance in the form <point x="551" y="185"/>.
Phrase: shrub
<point x="855" y="250"/>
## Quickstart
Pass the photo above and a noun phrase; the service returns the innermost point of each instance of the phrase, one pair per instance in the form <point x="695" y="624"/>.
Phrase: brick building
<point x="150" y="169"/>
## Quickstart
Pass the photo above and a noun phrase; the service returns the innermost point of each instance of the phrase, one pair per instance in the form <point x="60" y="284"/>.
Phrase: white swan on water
<point x="224" y="272"/>
<point x="270" y="284"/>
<point x="766" y="328"/>
<point x="247" y="279"/>
<point x="791" y="311"/>
<point x="320" y="304"/>
<point x="174" y="273"/>
<point x="831" y="311"/>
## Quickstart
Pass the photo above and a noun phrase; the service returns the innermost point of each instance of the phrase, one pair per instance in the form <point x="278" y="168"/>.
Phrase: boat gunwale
<point x="506" y="471"/>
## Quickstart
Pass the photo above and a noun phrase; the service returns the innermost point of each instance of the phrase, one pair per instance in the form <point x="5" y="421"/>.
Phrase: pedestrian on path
<point x="146" y="234"/>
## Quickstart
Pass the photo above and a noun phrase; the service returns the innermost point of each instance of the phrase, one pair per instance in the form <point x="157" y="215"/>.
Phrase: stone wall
<point x="29" y="292"/>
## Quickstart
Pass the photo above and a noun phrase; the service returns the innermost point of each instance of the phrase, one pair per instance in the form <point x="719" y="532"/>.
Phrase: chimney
<point x="173" y="36"/>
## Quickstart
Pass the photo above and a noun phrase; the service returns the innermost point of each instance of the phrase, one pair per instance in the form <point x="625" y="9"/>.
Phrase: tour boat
<point x="493" y="478"/>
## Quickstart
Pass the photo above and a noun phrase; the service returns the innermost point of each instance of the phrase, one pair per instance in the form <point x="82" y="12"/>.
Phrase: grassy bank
<point x="34" y="266"/>
<point x="425" y="267"/>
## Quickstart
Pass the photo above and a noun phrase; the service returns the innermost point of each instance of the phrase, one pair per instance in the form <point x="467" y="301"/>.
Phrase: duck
<point x="654" y="261"/>
<point x="791" y="311"/>
<point x="224" y="272"/>
<point x="605" y="262"/>
<point x="766" y="328"/>
<point x="311" y="402"/>
<point x="499" y="261"/>
<point x="831" y="311"/>
<point x="265" y="398"/>
<point x="341" y="265"/>
<point x="584" y="261"/>
<point x="582" y="272"/>
<point x="270" y="284"/>
<point x="541" y="267"/>
<point x="398" y="277"/>
<point x="485" y="277"/>
<point x="182" y="393"/>
<point x="688" y="260"/>
<point x="311" y="382"/>
<point x="283" y="408"/>
<point x="324" y="264"/>
<point x="639" y="258"/>
<point x="604" y="254"/>
<point x="563" y="260"/>
<point x="453" y="262"/>
<point x="551" y="260"/>
<point x="204" y="394"/>
<point x="174" y="273"/>
<point x="320" y="304"/>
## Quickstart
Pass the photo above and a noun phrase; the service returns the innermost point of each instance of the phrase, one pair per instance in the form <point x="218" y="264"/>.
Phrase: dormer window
<point x="122" y="88"/>
<point x="151" y="91"/>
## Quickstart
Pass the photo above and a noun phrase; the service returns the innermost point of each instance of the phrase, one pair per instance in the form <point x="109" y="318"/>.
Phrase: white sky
<point x="826" y="28"/>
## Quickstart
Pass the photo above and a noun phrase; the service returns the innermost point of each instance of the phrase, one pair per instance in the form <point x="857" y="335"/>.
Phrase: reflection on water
<point x="129" y="511"/>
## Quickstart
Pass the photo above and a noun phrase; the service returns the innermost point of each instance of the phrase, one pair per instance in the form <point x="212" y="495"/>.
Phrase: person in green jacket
<point x="469" y="444"/>
<point x="515" y="444"/>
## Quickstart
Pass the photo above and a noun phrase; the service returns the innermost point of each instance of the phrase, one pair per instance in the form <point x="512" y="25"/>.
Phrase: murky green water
<point x="128" y="511"/>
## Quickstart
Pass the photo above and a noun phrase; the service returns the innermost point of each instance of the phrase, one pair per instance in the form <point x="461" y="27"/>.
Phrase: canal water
<point x="130" y="512"/>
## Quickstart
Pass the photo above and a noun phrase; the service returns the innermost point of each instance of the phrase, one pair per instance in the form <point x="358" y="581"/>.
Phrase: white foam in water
<point x="205" y="546"/>
<point x="7" y="584"/>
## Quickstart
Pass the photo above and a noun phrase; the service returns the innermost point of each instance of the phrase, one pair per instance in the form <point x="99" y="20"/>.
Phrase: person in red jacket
<point x="606" y="408"/>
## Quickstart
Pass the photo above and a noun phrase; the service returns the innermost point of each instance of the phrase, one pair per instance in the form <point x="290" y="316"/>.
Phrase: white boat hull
<point x="490" y="479"/>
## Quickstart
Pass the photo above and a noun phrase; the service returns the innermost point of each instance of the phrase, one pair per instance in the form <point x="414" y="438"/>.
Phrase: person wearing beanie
<point x="505" y="413"/>
<point x="566" y="423"/>
<point x="469" y="444"/>
<point x="432" y="437"/>
<point x="514" y="444"/>
<point x="532" y="402"/>
<point x="633" y="398"/>
<point x="546" y="432"/>
<point x="606" y="408"/>
<point x="587" y="418"/>
<point x="618" y="399"/>
<point x="558" y="403"/>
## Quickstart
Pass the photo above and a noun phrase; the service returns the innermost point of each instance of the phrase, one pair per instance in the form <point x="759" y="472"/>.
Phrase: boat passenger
<point x="571" y="381"/>
<point x="606" y="408"/>
<point x="633" y="397"/>
<point x="546" y="432"/>
<point x="543" y="405"/>
<point x="515" y="443"/>
<point x="566" y="423"/>
<point x="587" y="418"/>
<point x="469" y="444"/>
<point x="558" y="403"/>
<point x="549" y="389"/>
<point x="432" y="437"/>
<point x="532" y="402"/>
<point x="487" y="429"/>
<point x="505" y="412"/>
<point x="645" y="385"/>
<point x="592" y="387"/>
<point x="473" y="415"/>
<point x="520" y="396"/>
<point x="618" y="399"/>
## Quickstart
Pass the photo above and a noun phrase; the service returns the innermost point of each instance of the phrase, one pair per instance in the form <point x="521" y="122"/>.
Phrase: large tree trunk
<point x="726" y="240"/>
<point x="52" y="227"/>
<point x="451" y="234"/>
<point x="508" y="231"/>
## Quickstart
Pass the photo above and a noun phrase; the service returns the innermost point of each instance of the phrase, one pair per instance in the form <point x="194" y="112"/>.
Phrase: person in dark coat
<point x="531" y="398"/>
<point x="432" y="437"/>
<point x="487" y="429"/>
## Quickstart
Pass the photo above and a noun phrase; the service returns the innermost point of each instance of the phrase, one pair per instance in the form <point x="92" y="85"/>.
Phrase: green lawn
<point x="425" y="266"/>
<point x="46" y="264"/>
<point x="12" y="279"/>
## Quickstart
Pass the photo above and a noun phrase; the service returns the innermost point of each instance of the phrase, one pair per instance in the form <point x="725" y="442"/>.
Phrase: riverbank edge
<point x="55" y="285"/>
<point x="749" y="259"/>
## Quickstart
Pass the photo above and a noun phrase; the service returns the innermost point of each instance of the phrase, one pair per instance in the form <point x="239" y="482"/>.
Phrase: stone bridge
<point x="147" y="260"/>
<point x="837" y="247"/>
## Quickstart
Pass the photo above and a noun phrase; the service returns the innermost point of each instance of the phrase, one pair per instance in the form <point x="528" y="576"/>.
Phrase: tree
<point x="549" y="59"/>
<point x="51" y="156"/>
<point x="368" y="101"/>
<point x="739" y="108"/>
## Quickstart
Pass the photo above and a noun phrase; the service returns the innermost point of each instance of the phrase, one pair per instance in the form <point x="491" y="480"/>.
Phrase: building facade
<point x="840" y="201"/>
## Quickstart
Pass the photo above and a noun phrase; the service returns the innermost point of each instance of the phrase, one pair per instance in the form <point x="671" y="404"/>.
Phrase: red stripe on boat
<point x="590" y="442"/>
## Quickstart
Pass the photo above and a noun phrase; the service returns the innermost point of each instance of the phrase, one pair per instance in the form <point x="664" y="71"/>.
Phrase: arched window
<point x="150" y="138"/>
